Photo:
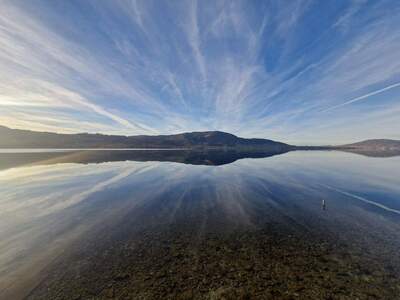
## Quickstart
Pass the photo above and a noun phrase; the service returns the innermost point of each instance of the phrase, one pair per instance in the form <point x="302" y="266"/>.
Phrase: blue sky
<point x="298" y="71"/>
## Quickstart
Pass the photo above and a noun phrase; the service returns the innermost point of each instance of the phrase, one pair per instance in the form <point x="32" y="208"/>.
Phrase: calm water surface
<point x="182" y="225"/>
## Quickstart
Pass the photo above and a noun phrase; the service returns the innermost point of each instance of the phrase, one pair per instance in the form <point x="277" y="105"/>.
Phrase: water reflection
<point x="95" y="204"/>
<point x="210" y="157"/>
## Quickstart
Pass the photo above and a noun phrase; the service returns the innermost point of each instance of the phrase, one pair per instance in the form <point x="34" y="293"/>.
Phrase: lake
<point x="198" y="225"/>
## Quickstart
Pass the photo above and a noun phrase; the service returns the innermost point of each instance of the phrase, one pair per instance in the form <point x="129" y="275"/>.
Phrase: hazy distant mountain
<point x="367" y="146"/>
<point x="375" y="148"/>
<point x="15" y="138"/>
<point x="378" y="144"/>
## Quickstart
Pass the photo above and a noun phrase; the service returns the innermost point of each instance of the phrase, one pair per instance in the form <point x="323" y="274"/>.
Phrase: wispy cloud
<point x="262" y="69"/>
<point x="392" y="86"/>
<point x="344" y="21"/>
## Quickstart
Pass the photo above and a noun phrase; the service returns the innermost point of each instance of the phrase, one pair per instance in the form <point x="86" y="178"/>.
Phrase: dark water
<point x="186" y="225"/>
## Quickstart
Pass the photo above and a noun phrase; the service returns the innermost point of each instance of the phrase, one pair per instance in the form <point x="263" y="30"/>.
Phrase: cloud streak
<point x="253" y="69"/>
<point x="392" y="86"/>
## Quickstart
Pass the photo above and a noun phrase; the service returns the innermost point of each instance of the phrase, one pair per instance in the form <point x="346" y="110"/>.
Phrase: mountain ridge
<point x="17" y="138"/>
<point x="375" y="143"/>
<point x="21" y="138"/>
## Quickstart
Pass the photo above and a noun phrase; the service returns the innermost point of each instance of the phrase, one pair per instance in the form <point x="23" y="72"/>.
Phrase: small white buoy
<point x="323" y="204"/>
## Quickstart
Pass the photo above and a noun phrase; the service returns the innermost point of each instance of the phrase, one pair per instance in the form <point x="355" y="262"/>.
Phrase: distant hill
<point x="377" y="144"/>
<point x="15" y="138"/>
<point x="374" y="148"/>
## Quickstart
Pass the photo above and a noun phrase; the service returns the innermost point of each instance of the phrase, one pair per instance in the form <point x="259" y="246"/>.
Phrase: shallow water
<point x="150" y="224"/>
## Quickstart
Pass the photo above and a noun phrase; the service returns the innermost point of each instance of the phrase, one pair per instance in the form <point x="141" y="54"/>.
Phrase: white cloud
<point x="147" y="67"/>
<point x="357" y="99"/>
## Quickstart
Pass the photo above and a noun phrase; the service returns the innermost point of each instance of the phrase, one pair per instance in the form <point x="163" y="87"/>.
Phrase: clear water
<point x="63" y="215"/>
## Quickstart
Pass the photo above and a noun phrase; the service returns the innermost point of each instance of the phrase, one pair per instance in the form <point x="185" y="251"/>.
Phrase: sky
<point x="298" y="71"/>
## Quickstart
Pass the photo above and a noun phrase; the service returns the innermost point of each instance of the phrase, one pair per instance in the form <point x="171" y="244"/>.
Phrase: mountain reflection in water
<point x="210" y="157"/>
<point x="137" y="224"/>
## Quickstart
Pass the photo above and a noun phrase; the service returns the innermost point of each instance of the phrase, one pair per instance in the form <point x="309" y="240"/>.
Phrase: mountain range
<point x="16" y="138"/>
